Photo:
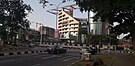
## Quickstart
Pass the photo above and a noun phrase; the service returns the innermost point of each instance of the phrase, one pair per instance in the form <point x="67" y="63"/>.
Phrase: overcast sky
<point x="41" y="16"/>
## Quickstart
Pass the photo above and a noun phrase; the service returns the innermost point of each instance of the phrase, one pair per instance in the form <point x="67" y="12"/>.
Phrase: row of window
<point x="67" y="32"/>
<point x="64" y="19"/>
<point x="66" y="22"/>
<point x="66" y="26"/>
<point x="62" y="16"/>
<point x="60" y="13"/>
<point x="68" y="29"/>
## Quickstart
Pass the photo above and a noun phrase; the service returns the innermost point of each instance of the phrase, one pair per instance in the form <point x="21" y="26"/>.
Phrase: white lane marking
<point x="35" y="54"/>
<point x="68" y="59"/>
<point x="65" y="57"/>
<point x="49" y="57"/>
<point x="39" y="56"/>
<point x="6" y="60"/>
<point x="36" y="65"/>
<point x="73" y="63"/>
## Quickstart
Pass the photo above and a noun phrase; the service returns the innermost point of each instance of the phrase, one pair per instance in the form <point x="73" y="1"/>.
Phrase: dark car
<point x="56" y="49"/>
<point x="93" y="50"/>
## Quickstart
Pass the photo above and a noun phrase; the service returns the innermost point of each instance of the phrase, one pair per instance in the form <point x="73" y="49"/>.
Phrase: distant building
<point x="98" y="27"/>
<point x="28" y="36"/>
<point x="125" y="43"/>
<point x="82" y="33"/>
<point x="68" y="26"/>
<point x="105" y="28"/>
<point x="34" y="34"/>
<point x="95" y="26"/>
<point x="47" y="32"/>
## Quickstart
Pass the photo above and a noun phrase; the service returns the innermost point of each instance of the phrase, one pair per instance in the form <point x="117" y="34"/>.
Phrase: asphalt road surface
<point x="43" y="59"/>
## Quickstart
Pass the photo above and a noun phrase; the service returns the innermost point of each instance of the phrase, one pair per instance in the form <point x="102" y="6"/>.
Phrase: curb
<point x="23" y="52"/>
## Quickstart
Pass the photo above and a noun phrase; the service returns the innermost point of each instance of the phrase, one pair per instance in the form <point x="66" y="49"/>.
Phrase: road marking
<point x="50" y="57"/>
<point x="68" y="59"/>
<point x="36" y="65"/>
<point x="6" y="60"/>
<point x="65" y="57"/>
<point x="34" y="54"/>
<point x="39" y="56"/>
<point x="73" y="63"/>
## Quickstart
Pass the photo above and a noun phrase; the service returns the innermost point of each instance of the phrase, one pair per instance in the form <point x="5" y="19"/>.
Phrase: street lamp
<point x="88" y="29"/>
<point x="57" y="7"/>
<point x="41" y="33"/>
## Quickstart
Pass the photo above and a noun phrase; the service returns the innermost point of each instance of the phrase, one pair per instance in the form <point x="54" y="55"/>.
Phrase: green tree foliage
<point x="104" y="39"/>
<point x="120" y="11"/>
<point x="13" y="17"/>
<point x="43" y="2"/>
<point x="113" y="39"/>
<point x="112" y="11"/>
<point x="95" y="39"/>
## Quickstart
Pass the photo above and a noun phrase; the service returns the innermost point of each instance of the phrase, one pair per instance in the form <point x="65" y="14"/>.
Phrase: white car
<point x="83" y="50"/>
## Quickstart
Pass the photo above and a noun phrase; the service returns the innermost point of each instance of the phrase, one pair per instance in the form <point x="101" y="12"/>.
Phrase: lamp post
<point x="109" y="38"/>
<point x="57" y="7"/>
<point x="88" y="29"/>
<point x="41" y="37"/>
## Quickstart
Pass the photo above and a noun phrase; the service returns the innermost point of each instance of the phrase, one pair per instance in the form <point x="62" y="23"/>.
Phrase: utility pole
<point x="57" y="9"/>
<point x="109" y="43"/>
<point x="88" y="29"/>
<point x="41" y="33"/>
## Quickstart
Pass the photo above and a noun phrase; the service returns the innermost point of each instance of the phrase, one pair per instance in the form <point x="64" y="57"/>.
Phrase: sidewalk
<point x="117" y="59"/>
<point x="110" y="59"/>
<point x="23" y="51"/>
<point x="123" y="60"/>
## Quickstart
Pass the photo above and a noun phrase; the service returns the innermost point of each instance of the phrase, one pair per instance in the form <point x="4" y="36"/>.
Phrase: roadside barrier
<point x="23" y="52"/>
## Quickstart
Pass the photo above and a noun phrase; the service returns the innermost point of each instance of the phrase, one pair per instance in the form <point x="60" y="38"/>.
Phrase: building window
<point x="60" y="13"/>
<point x="64" y="15"/>
<point x="60" y="16"/>
<point x="71" y="20"/>
<point x="67" y="18"/>
<point x="60" y="20"/>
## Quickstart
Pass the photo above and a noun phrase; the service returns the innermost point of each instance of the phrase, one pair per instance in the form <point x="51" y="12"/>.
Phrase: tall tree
<point x="13" y="17"/>
<point x="43" y="2"/>
<point x="122" y="12"/>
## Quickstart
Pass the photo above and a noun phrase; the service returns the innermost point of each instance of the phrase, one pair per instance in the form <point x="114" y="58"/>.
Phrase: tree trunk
<point x="15" y="39"/>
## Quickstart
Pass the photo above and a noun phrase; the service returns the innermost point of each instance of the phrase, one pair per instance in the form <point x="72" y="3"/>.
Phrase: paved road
<point x="43" y="59"/>
<point x="25" y="49"/>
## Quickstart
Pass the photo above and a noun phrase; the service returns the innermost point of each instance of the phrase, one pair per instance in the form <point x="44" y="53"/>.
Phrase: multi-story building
<point x="72" y="28"/>
<point x="95" y="26"/>
<point x="47" y="32"/>
<point x="28" y="36"/>
<point x="98" y="27"/>
<point x="82" y="33"/>
<point x="68" y="26"/>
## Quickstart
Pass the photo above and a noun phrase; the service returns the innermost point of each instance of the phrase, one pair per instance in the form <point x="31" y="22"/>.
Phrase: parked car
<point x="84" y="50"/>
<point x="91" y="50"/>
<point x="56" y="49"/>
